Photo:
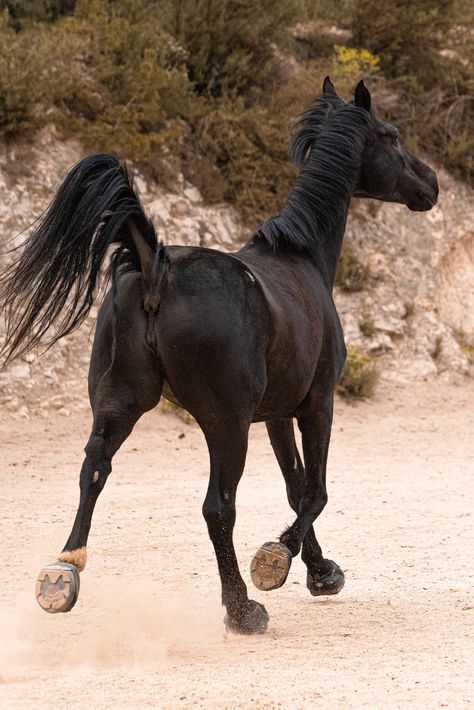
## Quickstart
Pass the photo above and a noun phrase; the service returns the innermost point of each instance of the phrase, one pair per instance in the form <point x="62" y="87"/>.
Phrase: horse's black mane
<point x="327" y="145"/>
<point x="308" y="127"/>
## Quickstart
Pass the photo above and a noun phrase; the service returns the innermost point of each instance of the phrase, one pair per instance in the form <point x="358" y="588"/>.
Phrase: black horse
<point x="233" y="338"/>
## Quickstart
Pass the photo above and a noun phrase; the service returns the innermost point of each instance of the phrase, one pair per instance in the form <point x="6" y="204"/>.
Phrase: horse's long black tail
<point x="55" y="279"/>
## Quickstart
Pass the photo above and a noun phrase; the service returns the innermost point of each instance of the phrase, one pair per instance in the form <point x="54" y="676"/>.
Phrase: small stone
<point x="180" y="209"/>
<point x="192" y="194"/>
<point x="21" y="371"/>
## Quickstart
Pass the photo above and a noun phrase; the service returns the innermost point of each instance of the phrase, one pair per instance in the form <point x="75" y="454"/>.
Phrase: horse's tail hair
<point x="55" y="278"/>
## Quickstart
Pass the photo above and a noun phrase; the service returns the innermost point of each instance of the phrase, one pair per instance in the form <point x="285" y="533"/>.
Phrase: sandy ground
<point x="147" y="630"/>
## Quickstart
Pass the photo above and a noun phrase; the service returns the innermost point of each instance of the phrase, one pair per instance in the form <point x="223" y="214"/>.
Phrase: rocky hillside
<point x="414" y="313"/>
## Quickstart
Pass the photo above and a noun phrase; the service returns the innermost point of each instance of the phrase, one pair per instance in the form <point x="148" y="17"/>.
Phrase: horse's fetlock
<point x="77" y="557"/>
<point x="291" y="542"/>
<point x="236" y="602"/>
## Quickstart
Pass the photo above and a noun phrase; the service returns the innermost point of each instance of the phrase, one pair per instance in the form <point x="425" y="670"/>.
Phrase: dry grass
<point x="359" y="376"/>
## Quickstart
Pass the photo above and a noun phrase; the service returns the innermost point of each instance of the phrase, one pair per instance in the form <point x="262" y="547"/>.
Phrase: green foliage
<point x="359" y="376"/>
<point x="209" y="87"/>
<point x="405" y="33"/>
<point x="137" y="93"/>
<point x="23" y="12"/>
<point x="248" y="146"/>
<point x="174" y="84"/>
<point x="426" y="53"/>
<point x="35" y="72"/>
<point x="229" y="44"/>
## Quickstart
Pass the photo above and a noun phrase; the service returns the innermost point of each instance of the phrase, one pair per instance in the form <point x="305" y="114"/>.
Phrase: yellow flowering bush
<point x="353" y="62"/>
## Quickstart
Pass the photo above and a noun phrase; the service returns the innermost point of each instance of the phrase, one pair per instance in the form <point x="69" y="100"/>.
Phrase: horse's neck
<point x="314" y="217"/>
<point x="324" y="204"/>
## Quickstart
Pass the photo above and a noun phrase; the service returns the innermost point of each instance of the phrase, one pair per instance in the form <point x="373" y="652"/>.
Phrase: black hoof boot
<point x="328" y="580"/>
<point x="57" y="587"/>
<point x="270" y="566"/>
<point x="255" y="621"/>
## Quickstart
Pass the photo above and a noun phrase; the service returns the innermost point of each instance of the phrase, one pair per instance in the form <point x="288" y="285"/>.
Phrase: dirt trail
<point x="147" y="630"/>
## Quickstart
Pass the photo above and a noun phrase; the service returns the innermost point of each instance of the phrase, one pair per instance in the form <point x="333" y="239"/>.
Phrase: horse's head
<point x="388" y="172"/>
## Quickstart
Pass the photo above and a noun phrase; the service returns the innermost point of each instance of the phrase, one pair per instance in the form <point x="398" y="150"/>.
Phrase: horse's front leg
<point x="308" y="496"/>
<point x="227" y="450"/>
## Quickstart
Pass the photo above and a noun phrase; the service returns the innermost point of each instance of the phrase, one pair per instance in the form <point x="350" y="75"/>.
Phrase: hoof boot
<point x="329" y="581"/>
<point x="57" y="587"/>
<point x="270" y="566"/>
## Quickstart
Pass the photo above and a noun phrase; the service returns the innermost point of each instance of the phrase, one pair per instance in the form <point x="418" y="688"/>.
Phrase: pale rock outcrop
<point x="419" y="298"/>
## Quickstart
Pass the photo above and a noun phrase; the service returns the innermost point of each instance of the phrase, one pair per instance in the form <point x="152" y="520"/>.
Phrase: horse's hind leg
<point x="121" y="391"/>
<point x="227" y="444"/>
<point x="324" y="576"/>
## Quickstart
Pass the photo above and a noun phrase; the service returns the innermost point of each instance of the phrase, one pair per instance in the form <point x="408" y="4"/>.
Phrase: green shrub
<point x="249" y="147"/>
<point x="359" y="376"/>
<point x="405" y="34"/>
<point x="23" y="12"/>
<point x="209" y="87"/>
<point x="229" y="43"/>
<point x="37" y="70"/>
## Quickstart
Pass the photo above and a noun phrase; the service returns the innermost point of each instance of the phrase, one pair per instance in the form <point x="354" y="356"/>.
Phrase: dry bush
<point x="210" y="87"/>
<point x="367" y="325"/>
<point x="359" y="376"/>
<point x="352" y="275"/>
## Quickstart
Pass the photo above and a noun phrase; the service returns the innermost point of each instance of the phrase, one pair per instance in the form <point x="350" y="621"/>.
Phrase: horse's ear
<point x="328" y="88"/>
<point x="362" y="96"/>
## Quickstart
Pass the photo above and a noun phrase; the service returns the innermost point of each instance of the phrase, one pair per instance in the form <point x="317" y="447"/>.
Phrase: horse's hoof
<point x="330" y="580"/>
<point x="57" y="587"/>
<point x="254" y="621"/>
<point x="270" y="566"/>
